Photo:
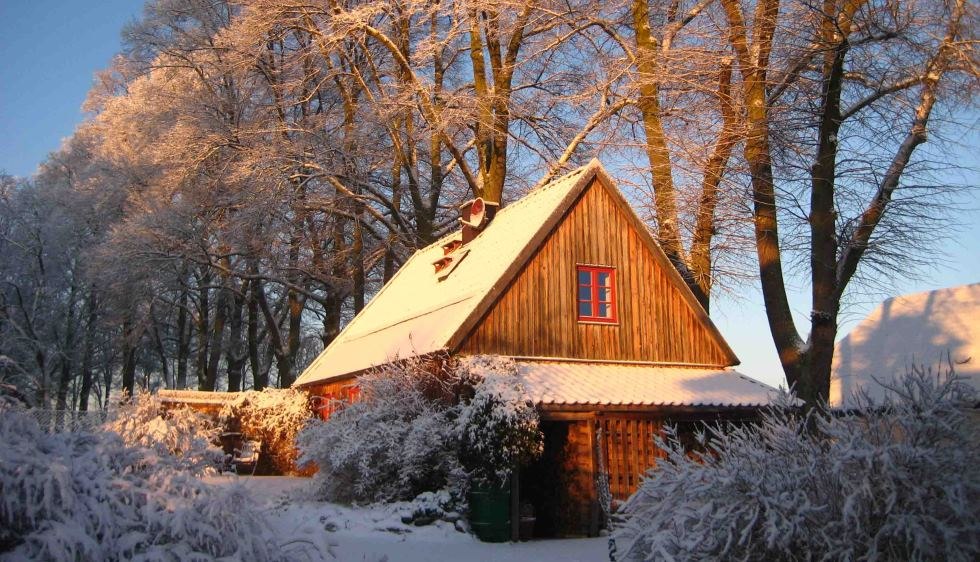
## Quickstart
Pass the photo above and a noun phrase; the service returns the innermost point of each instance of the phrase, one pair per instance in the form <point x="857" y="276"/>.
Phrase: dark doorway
<point x="559" y="486"/>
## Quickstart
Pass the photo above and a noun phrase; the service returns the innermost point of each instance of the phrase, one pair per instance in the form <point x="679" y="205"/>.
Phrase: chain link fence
<point x="59" y="421"/>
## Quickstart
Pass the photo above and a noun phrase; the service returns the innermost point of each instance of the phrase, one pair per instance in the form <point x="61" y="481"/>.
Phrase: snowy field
<point x="377" y="533"/>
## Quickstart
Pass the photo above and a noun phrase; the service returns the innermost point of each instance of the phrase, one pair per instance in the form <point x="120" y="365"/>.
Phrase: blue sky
<point x="50" y="50"/>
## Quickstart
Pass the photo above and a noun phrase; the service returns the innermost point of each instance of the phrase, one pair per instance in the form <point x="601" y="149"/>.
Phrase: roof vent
<point x="442" y="263"/>
<point x="448" y="263"/>
<point x="476" y="215"/>
<point x="451" y="246"/>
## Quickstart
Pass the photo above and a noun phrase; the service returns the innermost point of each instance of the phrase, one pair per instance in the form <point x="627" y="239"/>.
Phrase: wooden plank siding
<point x="536" y="315"/>
<point x="327" y="394"/>
<point x="628" y="451"/>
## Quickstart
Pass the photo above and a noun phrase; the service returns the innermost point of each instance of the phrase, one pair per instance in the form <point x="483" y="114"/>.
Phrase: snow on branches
<point x="273" y="416"/>
<point x="423" y="426"/>
<point x="179" y="436"/>
<point x="498" y="426"/>
<point x="394" y="443"/>
<point x="893" y="481"/>
<point x="90" y="496"/>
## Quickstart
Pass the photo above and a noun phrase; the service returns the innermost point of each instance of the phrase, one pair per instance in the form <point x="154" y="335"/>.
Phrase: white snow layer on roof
<point x="416" y="313"/>
<point x="196" y="396"/>
<point x="605" y="384"/>
<point x="917" y="329"/>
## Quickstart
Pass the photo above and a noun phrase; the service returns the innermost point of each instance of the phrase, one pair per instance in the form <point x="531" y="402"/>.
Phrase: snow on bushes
<point x="900" y="481"/>
<point x="273" y="416"/>
<point x="181" y="433"/>
<point x="394" y="443"/>
<point x="415" y="430"/>
<point x="89" y="496"/>
<point x="498" y="426"/>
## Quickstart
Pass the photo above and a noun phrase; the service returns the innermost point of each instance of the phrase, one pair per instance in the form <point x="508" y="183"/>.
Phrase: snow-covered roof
<point x="416" y="313"/>
<point x="917" y="329"/>
<point x="196" y="396"/>
<point x="419" y="312"/>
<point x="557" y="383"/>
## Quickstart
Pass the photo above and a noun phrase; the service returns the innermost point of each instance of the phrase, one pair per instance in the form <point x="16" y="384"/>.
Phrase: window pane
<point x="585" y="309"/>
<point x="584" y="278"/>
<point x="584" y="294"/>
<point x="605" y="311"/>
<point x="603" y="278"/>
<point x="605" y="295"/>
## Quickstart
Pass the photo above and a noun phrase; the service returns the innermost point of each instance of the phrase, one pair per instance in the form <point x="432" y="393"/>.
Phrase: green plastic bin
<point x="490" y="513"/>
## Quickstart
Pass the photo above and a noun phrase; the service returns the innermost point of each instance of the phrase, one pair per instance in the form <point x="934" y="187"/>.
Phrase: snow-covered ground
<point x="377" y="533"/>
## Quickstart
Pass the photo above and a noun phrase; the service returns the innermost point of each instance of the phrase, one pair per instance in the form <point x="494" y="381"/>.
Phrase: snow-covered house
<point x="609" y="341"/>
<point x="927" y="329"/>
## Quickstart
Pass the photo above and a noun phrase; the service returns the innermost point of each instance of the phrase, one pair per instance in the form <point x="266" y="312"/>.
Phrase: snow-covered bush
<point x="273" y="416"/>
<point x="498" y="425"/>
<point x="182" y="434"/>
<point x="899" y="481"/>
<point x="397" y="441"/>
<point x="413" y="430"/>
<point x="89" y="496"/>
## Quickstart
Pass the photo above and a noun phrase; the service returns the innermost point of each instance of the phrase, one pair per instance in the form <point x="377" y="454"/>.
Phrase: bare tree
<point x="859" y="82"/>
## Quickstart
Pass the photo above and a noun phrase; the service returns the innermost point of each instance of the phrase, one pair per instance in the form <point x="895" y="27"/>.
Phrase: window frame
<point x="594" y="270"/>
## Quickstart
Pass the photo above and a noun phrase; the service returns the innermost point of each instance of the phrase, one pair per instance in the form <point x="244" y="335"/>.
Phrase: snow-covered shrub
<point x="498" y="425"/>
<point x="397" y="441"/>
<point x="273" y="416"/>
<point x="182" y="434"/>
<point x="428" y="507"/>
<point x="899" y="481"/>
<point x="89" y="496"/>
<point x="412" y="428"/>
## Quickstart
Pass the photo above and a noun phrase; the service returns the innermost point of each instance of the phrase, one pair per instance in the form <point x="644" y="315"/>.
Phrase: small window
<point x="596" y="294"/>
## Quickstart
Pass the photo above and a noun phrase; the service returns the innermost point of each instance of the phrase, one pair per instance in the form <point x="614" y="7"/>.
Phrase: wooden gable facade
<point x="659" y="322"/>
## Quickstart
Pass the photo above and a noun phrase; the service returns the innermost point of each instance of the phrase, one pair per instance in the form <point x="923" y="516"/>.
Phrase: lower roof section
<point x="557" y="384"/>
<point x="196" y="397"/>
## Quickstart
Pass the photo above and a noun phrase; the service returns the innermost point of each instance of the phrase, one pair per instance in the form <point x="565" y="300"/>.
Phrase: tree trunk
<point x="236" y="353"/>
<point x="215" y="342"/>
<point x="260" y="376"/>
<point x="813" y="382"/>
<point x="357" y="259"/>
<point x="656" y="141"/>
<point x="129" y="358"/>
<point x="183" y="341"/>
<point x="161" y="350"/>
<point x="704" y="228"/>
<point x="67" y="353"/>
<point x="753" y="61"/>
<point x="203" y="312"/>
<point x="87" y="352"/>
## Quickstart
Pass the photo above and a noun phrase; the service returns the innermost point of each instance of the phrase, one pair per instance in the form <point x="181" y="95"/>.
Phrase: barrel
<point x="490" y="513"/>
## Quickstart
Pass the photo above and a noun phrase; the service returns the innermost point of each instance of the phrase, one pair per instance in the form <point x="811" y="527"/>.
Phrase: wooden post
<point x="594" y="495"/>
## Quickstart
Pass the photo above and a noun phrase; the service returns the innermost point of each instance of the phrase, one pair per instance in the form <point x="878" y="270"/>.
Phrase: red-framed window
<point x="596" y="294"/>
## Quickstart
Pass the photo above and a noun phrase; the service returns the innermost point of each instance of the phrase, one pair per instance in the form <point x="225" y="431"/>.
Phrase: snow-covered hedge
<point x="414" y="430"/>
<point x="274" y="416"/>
<point x="899" y="482"/>
<point x="89" y="496"/>
<point x="181" y="433"/>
